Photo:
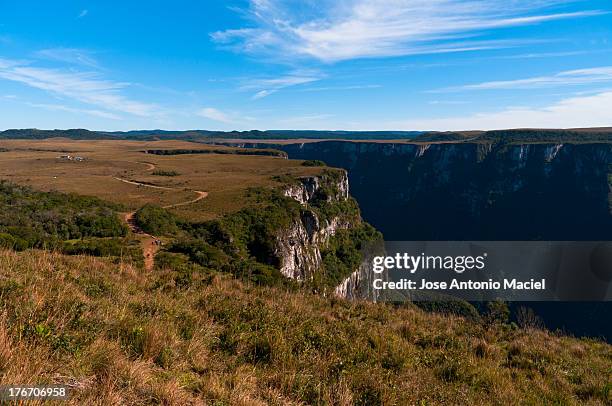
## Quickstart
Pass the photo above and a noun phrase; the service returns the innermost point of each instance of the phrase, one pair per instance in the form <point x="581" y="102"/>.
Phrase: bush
<point x="314" y="162"/>
<point x="156" y="220"/>
<point x="497" y="312"/>
<point x="526" y="318"/>
<point x="455" y="307"/>
<point x="30" y="218"/>
<point x="104" y="247"/>
<point x="201" y="253"/>
<point x="165" y="173"/>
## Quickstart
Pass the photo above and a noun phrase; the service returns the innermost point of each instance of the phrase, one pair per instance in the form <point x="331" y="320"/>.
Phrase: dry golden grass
<point x="118" y="336"/>
<point x="225" y="177"/>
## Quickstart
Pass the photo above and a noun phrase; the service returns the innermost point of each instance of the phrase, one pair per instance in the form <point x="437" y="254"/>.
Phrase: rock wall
<point x="359" y="285"/>
<point x="299" y="246"/>
<point x="476" y="191"/>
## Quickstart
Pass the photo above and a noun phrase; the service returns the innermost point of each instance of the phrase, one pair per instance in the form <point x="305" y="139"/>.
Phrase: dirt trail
<point x="201" y="195"/>
<point x="131" y="182"/>
<point x="151" y="244"/>
<point x="150" y="166"/>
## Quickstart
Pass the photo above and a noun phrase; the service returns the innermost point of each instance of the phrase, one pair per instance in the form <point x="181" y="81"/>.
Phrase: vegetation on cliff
<point x="313" y="162"/>
<point x="343" y="254"/>
<point x="246" y="243"/>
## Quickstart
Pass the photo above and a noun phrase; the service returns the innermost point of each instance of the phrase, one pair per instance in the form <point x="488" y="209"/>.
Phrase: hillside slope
<point x="120" y="336"/>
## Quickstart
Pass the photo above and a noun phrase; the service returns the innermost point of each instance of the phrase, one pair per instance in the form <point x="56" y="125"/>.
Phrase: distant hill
<point x="202" y="135"/>
<point x="497" y="136"/>
<point x="448" y="136"/>
<point x="35" y="134"/>
<point x="270" y="134"/>
<point x="545" y="135"/>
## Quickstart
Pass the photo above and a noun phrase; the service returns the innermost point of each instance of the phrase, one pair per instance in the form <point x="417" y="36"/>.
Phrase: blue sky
<point x="272" y="64"/>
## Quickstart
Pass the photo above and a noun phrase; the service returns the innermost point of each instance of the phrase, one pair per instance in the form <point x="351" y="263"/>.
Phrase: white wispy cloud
<point x="68" y="55"/>
<point x="267" y="86"/>
<point x="83" y="13"/>
<point x="60" y="107"/>
<point x="330" y="30"/>
<point x="85" y="87"/>
<point x="348" y="87"/>
<point x="448" y="102"/>
<point x="566" y="78"/>
<point x="539" y="55"/>
<point x="214" y="114"/>
<point x="582" y="111"/>
<point x="305" y="120"/>
<point x="263" y="93"/>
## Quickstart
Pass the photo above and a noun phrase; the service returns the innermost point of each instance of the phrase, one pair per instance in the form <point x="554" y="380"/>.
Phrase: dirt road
<point x="151" y="244"/>
<point x="131" y="182"/>
<point x="201" y="195"/>
<point x="150" y="166"/>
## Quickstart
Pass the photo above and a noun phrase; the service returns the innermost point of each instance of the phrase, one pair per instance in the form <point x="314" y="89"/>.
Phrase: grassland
<point x="225" y="177"/>
<point x="120" y="336"/>
<point x="190" y="334"/>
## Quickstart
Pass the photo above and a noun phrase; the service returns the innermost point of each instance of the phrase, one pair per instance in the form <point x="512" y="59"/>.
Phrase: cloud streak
<point x="332" y="31"/>
<point x="84" y="87"/>
<point x="341" y="88"/>
<point x="68" y="55"/>
<point x="267" y="86"/>
<point x="60" y="107"/>
<point x="583" y="111"/>
<point x="566" y="78"/>
<point x="214" y="114"/>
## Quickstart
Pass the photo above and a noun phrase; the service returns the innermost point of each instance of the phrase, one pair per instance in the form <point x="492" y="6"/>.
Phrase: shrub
<point x="497" y="312"/>
<point x="156" y="220"/>
<point x="165" y="173"/>
<point x="30" y="218"/>
<point x="314" y="162"/>
<point x="526" y="318"/>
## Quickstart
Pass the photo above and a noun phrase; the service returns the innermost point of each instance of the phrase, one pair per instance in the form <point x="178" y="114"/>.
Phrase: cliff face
<point x="309" y="187"/>
<point x="549" y="190"/>
<point x="299" y="246"/>
<point x="302" y="247"/>
<point x="476" y="191"/>
<point x="359" y="284"/>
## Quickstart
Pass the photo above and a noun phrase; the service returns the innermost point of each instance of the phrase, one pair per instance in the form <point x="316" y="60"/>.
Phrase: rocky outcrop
<point x="299" y="246"/>
<point x="299" y="256"/>
<point x="552" y="152"/>
<point x="360" y="284"/>
<point x="308" y="187"/>
<point x="422" y="149"/>
<point x="337" y="188"/>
